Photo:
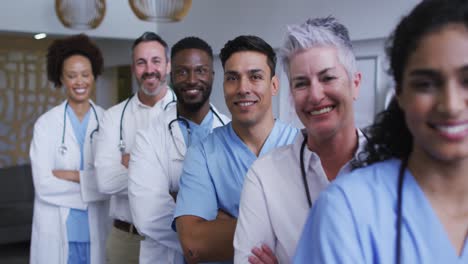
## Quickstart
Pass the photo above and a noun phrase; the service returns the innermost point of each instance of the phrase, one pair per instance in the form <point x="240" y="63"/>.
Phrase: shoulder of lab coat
<point x="111" y="175"/>
<point x="154" y="161"/>
<point x="88" y="181"/>
<point x="47" y="137"/>
<point x="149" y="182"/>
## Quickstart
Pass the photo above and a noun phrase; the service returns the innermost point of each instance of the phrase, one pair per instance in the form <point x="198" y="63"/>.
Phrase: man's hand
<point x="125" y="159"/>
<point x="263" y="255"/>
<point x="68" y="175"/>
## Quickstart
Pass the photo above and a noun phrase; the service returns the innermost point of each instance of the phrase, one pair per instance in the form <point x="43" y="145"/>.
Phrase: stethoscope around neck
<point x="122" y="146"/>
<point x="63" y="148"/>
<point x="303" y="172"/>
<point x="401" y="178"/>
<point x="187" y="126"/>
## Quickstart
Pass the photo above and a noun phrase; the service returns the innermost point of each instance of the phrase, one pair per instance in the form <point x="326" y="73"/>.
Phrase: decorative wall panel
<point x="25" y="94"/>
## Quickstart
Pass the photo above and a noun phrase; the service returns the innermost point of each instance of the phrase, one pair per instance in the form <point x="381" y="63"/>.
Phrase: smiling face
<point x="322" y="91"/>
<point x="434" y="95"/>
<point x="78" y="78"/>
<point x="150" y="67"/>
<point x="249" y="87"/>
<point x="192" y="78"/>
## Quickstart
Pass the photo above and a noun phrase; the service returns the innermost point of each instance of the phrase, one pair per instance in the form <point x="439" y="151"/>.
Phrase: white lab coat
<point x="273" y="206"/>
<point x="154" y="171"/>
<point x="54" y="197"/>
<point x="112" y="176"/>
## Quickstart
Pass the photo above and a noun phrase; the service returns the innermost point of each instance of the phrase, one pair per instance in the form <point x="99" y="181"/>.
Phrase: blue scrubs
<point x="77" y="221"/>
<point x="214" y="171"/>
<point x="354" y="221"/>
<point x="198" y="131"/>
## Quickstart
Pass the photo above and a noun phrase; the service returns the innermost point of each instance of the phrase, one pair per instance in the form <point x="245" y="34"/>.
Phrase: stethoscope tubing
<point x="62" y="147"/>
<point x="122" y="145"/>
<point x="187" y="126"/>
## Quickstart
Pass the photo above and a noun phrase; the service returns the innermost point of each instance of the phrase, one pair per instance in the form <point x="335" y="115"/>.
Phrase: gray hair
<point x="319" y="32"/>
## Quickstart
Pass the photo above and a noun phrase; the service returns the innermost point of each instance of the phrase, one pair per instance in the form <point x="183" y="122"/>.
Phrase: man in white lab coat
<point x="158" y="153"/>
<point x="150" y="65"/>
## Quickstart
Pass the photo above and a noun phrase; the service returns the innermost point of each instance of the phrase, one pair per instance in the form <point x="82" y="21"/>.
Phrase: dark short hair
<point x="151" y="36"/>
<point x="61" y="49"/>
<point x="249" y="43"/>
<point x="191" y="43"/>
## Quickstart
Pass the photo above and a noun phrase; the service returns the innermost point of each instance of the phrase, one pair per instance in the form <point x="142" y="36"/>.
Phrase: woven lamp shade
<point x="160" y="10"/>
<point x="80" y="14"/>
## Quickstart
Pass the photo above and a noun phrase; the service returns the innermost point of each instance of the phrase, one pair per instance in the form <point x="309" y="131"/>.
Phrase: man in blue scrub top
<point x="214" y="170"/>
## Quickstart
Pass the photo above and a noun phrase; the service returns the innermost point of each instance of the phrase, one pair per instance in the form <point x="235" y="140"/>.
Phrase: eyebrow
<point x="253" y="71"/>
<point x="301" y="77"/>
<point x="423" y="72"/>
<point x="325" y="70"/>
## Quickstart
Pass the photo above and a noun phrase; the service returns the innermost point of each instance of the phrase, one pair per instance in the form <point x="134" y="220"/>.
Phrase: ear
<point x="274" y="85"/>
<point x="168" y="68"/>
<point x="356" y="85"/>
<point x="400" y="99"/>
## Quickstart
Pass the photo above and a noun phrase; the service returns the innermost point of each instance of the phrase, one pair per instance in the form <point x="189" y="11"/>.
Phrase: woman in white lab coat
<point x="70" y="220"/>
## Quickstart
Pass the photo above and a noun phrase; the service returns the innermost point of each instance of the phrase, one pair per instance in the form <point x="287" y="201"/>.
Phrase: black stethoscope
<point x="63" y="148"/>
<point x="122" y="144"/>
<point x="401" y="177"/>
<point x="303" y="173"/>
<point x="187" y="126"/>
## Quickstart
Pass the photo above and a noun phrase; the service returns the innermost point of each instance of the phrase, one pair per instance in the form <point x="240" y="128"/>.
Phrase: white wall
<point x="32" y="16"/>
<point x="220" y="20"/>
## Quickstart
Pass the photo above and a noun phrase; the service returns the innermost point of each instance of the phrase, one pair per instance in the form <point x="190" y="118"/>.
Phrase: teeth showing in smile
<point x="245" y="103"/>
<point x="321" y="111"/>
<point x="80" y="90"/>
<point x="455" y="129"/>
<point x="192" y="91"/>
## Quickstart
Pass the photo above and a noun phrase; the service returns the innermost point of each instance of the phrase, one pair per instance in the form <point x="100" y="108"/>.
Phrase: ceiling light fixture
<point x="80" y="14"/>
<point x="160" y="10"/>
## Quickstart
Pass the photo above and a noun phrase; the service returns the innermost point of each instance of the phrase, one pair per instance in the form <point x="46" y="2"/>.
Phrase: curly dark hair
<point x="249" y="43"/>
<point x="62" y="49"/>
<point x="389" y="136"/>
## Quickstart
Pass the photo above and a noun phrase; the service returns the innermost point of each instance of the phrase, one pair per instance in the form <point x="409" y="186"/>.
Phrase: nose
<point x="452" y="99"/>
<point x="192" y="77"/>
<point x="315" y="93"/>
<point x="243" y="86"/>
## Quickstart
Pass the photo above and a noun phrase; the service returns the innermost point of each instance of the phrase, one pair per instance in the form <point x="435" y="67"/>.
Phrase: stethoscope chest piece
<point x="122" y="146"/>
<point x="62" y="149"/>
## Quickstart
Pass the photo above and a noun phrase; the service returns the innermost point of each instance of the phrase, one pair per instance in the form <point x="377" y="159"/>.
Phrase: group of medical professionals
<point x="164" y="177"/>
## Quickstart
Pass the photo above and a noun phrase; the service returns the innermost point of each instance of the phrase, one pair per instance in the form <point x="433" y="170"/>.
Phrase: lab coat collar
<point x="177" y="132"/>
<point x="312" y="159"/>
<point x="168" y="98"/>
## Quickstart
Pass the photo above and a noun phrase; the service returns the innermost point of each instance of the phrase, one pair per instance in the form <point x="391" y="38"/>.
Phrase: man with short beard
<point x="150" y="65"/>
<point x="159" y="151"/>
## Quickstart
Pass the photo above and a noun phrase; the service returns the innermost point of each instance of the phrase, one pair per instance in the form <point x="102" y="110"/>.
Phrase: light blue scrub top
<point x="354" y="221"/>
<point x="198" y="131"/>
<point x="214" y="170"/>
<point x="77" y="221"/>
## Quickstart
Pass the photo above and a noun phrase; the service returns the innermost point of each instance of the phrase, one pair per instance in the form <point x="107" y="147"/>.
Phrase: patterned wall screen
<point x="25" y="94"/>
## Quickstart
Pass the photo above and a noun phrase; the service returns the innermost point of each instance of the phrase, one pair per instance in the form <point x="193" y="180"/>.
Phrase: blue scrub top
<point x="354" y="221"/>
<point x="198" y="131"/>
<point x="214" y="171"/>
<point x="77" y="221"/>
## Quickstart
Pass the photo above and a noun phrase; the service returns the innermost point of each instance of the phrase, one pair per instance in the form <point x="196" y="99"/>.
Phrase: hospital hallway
<point x="17" y="253"/>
